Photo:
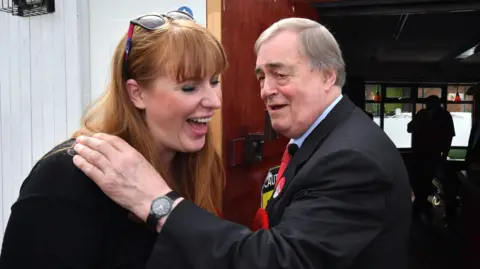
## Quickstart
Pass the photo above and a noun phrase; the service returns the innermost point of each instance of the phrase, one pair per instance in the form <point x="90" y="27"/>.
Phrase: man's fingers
<point x="92" y="157"/>
<point x="102" y="146"/>
<point x="115" y="141"/>
<point x="87" y="168"/>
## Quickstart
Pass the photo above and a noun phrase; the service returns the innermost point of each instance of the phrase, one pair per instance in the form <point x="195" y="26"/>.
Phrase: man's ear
<point x="329" y="78"/>
<point x="136" y="94"/>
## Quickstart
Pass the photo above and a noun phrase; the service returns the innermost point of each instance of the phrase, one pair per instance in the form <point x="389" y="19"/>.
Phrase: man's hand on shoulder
<point x="120" y="171"/>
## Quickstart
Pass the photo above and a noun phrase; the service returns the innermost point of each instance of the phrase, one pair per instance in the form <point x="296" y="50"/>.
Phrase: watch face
<point x="161" y="206"/>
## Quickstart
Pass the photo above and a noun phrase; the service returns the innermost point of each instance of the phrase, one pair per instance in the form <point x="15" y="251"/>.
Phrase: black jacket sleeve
<point x="338" y="211"/>
<point x="55" y="223"/>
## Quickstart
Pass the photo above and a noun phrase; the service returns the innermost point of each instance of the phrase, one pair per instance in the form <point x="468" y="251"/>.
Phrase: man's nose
<point x="268" y="88"/>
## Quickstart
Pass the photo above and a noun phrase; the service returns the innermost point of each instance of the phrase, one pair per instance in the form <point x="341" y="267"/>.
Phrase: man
<point x="343" y="201"/>
<point x="432" y="133"/>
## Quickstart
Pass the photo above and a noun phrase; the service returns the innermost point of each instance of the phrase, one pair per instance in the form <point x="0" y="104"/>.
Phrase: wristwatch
<point x="160" y="207"/>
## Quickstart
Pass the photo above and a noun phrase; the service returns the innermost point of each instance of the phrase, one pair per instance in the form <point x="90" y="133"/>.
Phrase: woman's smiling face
<point x="177" y="114"/>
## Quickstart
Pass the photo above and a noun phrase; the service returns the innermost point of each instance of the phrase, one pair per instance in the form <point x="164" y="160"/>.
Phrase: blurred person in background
<point x="432" y="132"/>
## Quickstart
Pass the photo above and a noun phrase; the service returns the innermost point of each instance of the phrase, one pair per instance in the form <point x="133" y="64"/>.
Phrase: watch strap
<point x="152" y="218"/>
<point x="173" y="195"/>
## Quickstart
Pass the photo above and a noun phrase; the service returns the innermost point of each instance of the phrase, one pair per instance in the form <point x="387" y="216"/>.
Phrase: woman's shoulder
<point x="56" y="163"/>
<point x="56" y="176"/>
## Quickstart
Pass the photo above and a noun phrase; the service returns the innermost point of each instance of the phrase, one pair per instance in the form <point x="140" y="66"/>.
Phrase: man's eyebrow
<point x="276" y="65"/>
<point x="281" y="66"/>
<point x="273" y="65"/>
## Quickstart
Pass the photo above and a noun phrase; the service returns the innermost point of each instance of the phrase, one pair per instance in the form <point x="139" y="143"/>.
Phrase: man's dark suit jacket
<point x="346" y="204"/>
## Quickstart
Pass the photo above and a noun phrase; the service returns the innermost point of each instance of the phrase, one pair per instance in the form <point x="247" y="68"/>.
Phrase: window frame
<point x="414" y="99"/>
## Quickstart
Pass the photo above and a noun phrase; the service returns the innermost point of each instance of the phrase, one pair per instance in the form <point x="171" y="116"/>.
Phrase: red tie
<point x="285" y="160"/>
<point x="261" y="217"/>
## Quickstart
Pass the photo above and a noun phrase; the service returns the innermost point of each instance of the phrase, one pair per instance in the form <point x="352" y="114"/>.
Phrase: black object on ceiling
<point x="394" y="7"/>
<point x="27" y="8"/>
<point x="428" y="45"/>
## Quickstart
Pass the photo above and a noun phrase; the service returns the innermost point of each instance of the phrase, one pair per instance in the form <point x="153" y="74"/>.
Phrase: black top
<point x="63" y="220"/>
<point x="432" y="131"/>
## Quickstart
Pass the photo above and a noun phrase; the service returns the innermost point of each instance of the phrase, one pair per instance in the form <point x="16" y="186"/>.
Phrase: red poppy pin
<point x="261" y="220"/>
<point x="279" y="187"/>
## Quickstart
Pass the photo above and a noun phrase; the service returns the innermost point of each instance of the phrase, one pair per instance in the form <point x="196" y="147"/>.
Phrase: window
<point x="461" y="112"/>
<point x="371" y="90"/>
<point x="372" y="96"/>
<point x="397" y="113"/>
<point x="395" y="121"/>
<point x="374" y="108"/>
<point x="462" y="89"/>
<point x="426" y="92"/>
<point x="393" y="107"/>
<point x="397" y="93"/>
<point x="418" y="107"/>
<point x="462" y="120"/>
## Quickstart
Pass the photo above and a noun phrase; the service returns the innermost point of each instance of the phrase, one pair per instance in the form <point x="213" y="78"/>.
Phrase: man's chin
<point x="280" y="128"/>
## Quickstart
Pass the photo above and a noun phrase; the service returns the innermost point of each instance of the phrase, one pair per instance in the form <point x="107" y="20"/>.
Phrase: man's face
<point x="295" y="95"/>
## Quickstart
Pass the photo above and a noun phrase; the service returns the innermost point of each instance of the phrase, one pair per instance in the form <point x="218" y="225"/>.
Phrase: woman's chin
<point x="193" y="145"/>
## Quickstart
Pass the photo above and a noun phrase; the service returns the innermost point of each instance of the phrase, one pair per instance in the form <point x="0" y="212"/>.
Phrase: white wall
<point x="41" y="85"/>
<point x="110" y="19"/>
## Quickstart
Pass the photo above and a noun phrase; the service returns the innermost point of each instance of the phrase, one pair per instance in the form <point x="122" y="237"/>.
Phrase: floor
<point x="436" y="246"/>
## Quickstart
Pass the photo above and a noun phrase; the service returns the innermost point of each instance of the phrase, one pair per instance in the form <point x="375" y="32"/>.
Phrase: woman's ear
<point x="136" y="94"/>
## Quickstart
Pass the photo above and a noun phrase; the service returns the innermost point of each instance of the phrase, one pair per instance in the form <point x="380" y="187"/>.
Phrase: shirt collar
<point x="299" y="141"/>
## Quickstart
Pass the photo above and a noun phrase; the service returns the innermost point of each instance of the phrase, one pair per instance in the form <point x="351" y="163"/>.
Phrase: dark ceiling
<point x="393" y="40"/>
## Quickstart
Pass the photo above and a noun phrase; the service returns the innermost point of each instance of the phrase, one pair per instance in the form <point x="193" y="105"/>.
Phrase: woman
<point x="163" y="92"/>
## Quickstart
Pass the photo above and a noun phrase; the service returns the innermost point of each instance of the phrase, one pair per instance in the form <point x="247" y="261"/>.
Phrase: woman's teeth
<point x="200" y="120"/>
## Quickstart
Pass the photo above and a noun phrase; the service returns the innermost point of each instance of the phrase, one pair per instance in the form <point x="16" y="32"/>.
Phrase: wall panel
<point x="40" y="89"/>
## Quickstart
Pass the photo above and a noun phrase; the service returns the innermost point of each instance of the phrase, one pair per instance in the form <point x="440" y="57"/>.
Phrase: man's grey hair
<point x="316" y="43"/>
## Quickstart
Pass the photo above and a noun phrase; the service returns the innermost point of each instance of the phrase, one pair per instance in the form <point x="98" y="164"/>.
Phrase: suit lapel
<point x="337" y="115"/>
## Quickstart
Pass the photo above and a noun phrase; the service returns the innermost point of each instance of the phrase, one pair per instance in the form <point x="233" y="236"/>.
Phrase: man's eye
<point x="261" y="78"/>
<point x="278" y="75"/>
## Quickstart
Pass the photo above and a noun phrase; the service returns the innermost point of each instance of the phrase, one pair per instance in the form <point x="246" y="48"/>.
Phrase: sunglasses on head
<point x="150" y="22"/>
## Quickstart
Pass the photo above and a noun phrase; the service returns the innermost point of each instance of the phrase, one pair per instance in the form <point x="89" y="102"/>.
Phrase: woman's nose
<point x="213" y="98"/>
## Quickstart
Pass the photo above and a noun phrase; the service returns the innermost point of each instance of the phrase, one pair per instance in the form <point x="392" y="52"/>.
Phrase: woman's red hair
<point x="181" y="50"/>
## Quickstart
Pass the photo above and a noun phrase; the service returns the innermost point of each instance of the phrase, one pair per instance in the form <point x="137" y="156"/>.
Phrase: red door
<point x="243" y="111"/>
